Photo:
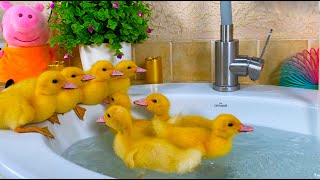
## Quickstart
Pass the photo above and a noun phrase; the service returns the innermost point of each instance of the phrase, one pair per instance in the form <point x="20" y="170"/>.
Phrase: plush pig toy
<point x="26" y="32"/>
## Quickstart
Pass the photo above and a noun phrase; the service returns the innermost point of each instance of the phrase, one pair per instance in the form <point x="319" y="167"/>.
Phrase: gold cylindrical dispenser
<point x="56" y="66"/>
<point x="153" y="75"/>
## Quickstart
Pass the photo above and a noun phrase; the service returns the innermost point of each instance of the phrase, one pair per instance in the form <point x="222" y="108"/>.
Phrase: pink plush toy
<point x="26" y="32"/>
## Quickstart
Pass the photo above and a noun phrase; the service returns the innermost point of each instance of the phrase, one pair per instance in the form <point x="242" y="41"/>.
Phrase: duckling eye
<point x="54" y="81"/>
<point x="154" y="100"/>
<point x="129" y="67"/>
<point x="104" y="69"/>
<point x="108" y="115"/>
<point x="112" y="99"/>
<point x="230" y="124"/>
<point x="73" y="75"/>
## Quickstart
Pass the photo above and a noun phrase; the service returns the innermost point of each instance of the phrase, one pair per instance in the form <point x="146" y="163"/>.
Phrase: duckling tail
<point x="189" y="160"/>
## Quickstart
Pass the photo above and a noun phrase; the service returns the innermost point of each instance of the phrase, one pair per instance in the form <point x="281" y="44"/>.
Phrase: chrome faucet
<point x="229" y="65"/>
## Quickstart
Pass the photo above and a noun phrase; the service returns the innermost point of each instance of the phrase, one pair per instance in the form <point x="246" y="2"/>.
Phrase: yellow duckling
<point x="17" y="112"/>
<point x="159" y="105"/>
<point x="122" y="84"/>
<point x="212" y="143"/>
<point x="68" y="99"/>
<point x="96" y="90"/>
<point x="142" y="126"/>
<point x="41" y="94"/>
<point x="49" y="85"/>
<point x="147" y="152"/>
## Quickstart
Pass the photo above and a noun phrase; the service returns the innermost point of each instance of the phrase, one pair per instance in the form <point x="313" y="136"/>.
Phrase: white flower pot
<point x="93" y="53"/>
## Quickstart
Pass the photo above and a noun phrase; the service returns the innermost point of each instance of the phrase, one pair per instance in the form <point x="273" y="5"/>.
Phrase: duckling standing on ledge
<point x="48" y="87"/>
<point x="147" y="152"/>
<point x="69" y="98"/>
<point x="38" y="102"/>
<point x="96" y="90"/>
<point x="122" y="84"/>
<point x="16" y="112"/>
<point x="212" y="143"/>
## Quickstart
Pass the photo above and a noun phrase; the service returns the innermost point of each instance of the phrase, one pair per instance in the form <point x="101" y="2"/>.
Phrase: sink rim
<point x="12" y="139"/>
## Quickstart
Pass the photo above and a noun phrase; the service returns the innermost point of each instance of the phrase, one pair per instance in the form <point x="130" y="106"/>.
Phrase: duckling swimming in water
<point x="213" y="142"/>
<point x="147" y="152"/>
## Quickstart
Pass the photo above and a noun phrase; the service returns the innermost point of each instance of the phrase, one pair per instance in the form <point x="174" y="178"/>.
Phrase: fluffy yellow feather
<point x="122" y="84"/>
<point x="213" y="142"/>
<point x="68" y="99"/>
<point x="44" y="100"/>
<point x="147" y="152"/>
<point x="96" y="90"/>
<point x="15" y="111"/>
<point x="38" y="101"/>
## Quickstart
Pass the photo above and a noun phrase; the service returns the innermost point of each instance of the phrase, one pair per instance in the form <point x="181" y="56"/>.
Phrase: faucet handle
<point x="256" y="64"/>
<point x="265" y="45"/>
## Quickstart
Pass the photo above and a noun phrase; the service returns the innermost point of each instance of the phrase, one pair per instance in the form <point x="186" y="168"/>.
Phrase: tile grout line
<point x="258" y="48"/>
<point x="309" y="44"/>
<point x="171" y="61"/>
<point x="212" y="60"/>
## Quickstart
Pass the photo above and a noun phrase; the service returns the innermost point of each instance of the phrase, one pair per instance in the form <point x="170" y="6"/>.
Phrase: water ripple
<point x="264" y="153"/>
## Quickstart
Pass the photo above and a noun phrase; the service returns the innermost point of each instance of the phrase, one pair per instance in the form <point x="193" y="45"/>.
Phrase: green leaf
<point x="111" y="41"/>
<point x="114" y="13"/>
<point x="125" y="25"/>
<point x="112" y="24"/>
<point x="125" y="31"/>
<point x="87" y="4"/>
<point x="110" y="34"/>
<point x="88" y="17"/>
<point x="139" y="20"/>
<point x="125" y="38"/>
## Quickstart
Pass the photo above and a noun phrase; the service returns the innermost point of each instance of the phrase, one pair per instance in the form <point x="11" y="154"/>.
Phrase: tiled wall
<point x="184" y="33"/>
<point x="193" y="61"/>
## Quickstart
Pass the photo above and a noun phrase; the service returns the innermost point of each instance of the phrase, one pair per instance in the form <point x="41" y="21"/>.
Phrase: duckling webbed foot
<point x="54" y="119"/>
<point x="80" y="111"/>
<point x="44" y="131"/>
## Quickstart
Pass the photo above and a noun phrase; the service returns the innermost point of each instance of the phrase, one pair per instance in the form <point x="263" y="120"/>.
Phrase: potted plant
<point x="109" y="26"/>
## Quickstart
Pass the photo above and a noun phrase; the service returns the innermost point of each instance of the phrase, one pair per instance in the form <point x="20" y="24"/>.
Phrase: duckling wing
<point x="159" y="155"/>
<point x="15" y="111"/>
<point x="193" y="121"/>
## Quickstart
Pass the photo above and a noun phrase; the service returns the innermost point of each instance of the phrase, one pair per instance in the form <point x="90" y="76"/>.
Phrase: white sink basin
<point x="32" y="155"/>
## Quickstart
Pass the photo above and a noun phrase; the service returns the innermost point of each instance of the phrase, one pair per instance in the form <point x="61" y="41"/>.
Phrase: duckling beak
<point x="106" y="101"/>
<point x="141" y="102"/>
<point x="140" y="70"/>
<point x="244" y="128"/>
<point x="87" y="77"/>
<point x="116" y="73"/>
<point x="68" y="85"/>
<point x="100" y="120"/>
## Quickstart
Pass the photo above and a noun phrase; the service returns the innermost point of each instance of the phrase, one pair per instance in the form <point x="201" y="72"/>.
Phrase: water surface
<point x="264" y="153"/>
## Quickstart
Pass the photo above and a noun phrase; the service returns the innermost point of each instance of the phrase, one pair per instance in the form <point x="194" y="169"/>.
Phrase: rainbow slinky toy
<point x="301" y="70"/>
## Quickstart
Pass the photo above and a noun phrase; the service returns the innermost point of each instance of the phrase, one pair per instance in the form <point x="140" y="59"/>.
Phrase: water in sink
<point x="264" y="153"/>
